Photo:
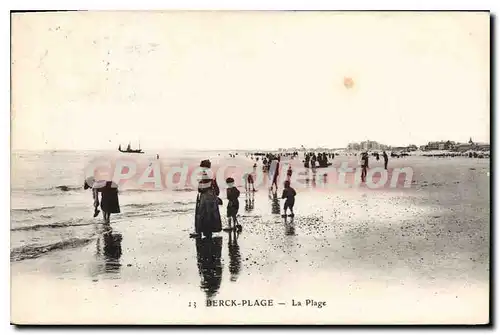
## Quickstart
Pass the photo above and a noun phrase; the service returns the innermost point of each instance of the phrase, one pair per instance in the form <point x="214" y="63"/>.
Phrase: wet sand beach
<point x="352" y="256"/>
<point x="145" y="115"/>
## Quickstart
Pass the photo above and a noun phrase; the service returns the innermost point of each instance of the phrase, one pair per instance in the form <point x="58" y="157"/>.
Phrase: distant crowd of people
<point x="470" y="154"/>
<point x="311" y="158"/>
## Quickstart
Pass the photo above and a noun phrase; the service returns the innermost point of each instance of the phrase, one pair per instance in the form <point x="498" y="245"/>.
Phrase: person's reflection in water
<point x="109" y="254"/>
<point x="249" y="202"/>
<point x="112" y="250"/>
<point x="307" y="178"/>
<point x="234" y="256"/>
<point x="289" y="227"/>
<point x="275" y="203"/>
<point x="208" y="252"/>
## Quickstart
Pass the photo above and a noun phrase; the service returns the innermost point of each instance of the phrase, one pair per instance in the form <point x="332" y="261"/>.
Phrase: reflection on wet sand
<point x="234" y="256"/>
<point x="112" y="251"/>
<point x="249" y="202"/>
<point x="289" y="227"/>
<point x="275" y="203"/>
<point x="311" y="179"/>
<point x="208" y="252"/>
<point x="108" y="251"/>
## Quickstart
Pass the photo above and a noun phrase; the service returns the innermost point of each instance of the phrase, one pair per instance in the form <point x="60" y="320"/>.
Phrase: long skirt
<point x="207" y="217"/>
<point x="109" y="199"/>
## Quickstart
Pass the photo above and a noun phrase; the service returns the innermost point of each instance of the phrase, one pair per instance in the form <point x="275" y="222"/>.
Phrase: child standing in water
<point x="289" y="194"/>
<point x="233" y="205"/>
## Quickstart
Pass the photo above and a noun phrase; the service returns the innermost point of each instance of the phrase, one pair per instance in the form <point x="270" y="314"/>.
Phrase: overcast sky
<point x="93" y="80"/>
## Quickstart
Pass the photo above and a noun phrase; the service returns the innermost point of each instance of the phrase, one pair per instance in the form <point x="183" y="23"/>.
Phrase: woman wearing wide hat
<point x="207" y="215"/>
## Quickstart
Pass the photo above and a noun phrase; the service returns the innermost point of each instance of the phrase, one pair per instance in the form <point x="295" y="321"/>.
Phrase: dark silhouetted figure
<point x="288" y="194"/>
<point x="386" y="159"/>
<point x="289" y="173"/>
<point x="109" y="197"/>
<point x="233" y="204"/>
<point x="109" y="200"/>
<point x="275" y="170"/>
<point x="207" y="214"/>
<point x="364" y="166"/>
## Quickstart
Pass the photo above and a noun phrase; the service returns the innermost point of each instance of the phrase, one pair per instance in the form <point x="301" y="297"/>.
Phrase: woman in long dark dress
<point x="109" y="197"/>
<point x="207" y="215"/>
<point x="109" y="200"/>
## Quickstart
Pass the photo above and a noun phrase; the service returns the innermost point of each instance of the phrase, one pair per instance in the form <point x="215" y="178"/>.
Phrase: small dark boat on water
<point x="131" y="151"/>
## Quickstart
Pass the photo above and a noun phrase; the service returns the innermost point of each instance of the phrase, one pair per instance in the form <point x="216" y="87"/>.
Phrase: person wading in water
<point x="109" y="197"/>
<point x="274" y="172"/>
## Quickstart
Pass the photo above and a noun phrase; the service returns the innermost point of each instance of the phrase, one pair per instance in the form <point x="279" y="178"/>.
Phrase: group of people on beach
<point x="207" y="214"/>
<point x="321" y="158"/>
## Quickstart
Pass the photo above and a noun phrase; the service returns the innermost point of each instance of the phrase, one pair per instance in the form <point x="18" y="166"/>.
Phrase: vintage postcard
<point x="246" y="167"/>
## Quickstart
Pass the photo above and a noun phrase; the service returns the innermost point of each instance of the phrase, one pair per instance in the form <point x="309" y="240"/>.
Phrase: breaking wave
<point x="61" y="224"/>
<point x="182" y="210"/>
<point x="34" y="251"/>
<point x="31" y="210"/>
<point x="141" y="205"/>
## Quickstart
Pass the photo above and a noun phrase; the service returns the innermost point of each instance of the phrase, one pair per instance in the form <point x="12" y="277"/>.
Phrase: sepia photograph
<point x="250" y="168"/>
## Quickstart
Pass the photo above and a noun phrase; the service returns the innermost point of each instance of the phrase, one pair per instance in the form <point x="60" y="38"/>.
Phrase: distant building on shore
<point x="353" y="146"/>
<point x="455" y="146"/>
<point x="471" y="145"/>
<point x="441" y="145"/>
<point x="366" y="146"/>
<point x="370" y="145"/>
<point x="436" y="145"/>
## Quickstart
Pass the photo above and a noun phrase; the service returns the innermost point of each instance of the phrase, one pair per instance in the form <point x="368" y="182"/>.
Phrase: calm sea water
<point x="51" y="210"/>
